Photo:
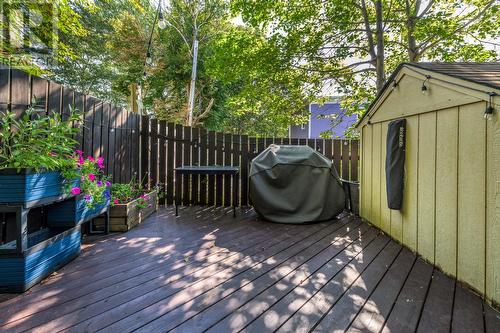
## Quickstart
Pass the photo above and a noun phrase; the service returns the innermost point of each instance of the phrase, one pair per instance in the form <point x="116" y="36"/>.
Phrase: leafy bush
<point x="45" y="142"/>
<point x="37" y="141"/>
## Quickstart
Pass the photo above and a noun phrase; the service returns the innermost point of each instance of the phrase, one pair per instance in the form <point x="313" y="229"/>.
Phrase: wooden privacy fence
<point x="165" y="146"/>
<point x="143" y="148"/>
<point x="108" y="131"/>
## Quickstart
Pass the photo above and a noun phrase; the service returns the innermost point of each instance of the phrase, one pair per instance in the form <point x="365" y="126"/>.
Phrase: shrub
<point x="40" y="142"/>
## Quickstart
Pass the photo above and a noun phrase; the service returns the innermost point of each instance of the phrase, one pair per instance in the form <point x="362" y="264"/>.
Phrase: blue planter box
<point x="28" y="187"/>
<point x="48" y="250"/>
<point x="73" y="212"/>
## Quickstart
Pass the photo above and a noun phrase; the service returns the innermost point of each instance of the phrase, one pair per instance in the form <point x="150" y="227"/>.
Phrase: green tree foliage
<point x="255" y="78"/>
<point x="244" y="83"/>
<point x="266" y="94"/>
<point x="32" y="33"/>
<point x="167" y="87"/>
<point x="356" y="43"/>
<point x="110" y="57"/>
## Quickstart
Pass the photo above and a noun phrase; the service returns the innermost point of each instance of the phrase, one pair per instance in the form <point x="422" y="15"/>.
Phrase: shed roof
<point x="483" y="73"/>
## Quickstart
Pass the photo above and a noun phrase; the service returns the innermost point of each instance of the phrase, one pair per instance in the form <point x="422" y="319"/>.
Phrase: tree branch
<point x="424" y="46"/>
<point x="369" y="34"/>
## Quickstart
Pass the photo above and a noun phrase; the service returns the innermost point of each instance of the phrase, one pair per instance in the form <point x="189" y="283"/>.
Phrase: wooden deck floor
<point x="206" y="271"/>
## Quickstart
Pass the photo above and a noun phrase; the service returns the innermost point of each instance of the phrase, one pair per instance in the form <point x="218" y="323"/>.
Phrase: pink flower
<point x="79" y="152"/>
<point x="100" y="162"/>
<point x="91" y="177"/>
<point x="80" y="161"/>
<point x="116" y="202"/>
<point x="75" y="190"/>
<point x="90" y="158"/>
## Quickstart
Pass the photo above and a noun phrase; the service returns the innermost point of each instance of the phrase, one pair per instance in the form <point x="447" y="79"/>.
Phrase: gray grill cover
<point x="295" y="184"/>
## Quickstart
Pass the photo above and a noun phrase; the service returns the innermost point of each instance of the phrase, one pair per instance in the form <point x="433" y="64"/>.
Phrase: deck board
<point x="379" y="305"/>
<point x="406" y="311"/>
<point x="438" y="306"/>
<point x="467" y="313"/>
<point x="206" y="270"/>
<point x="491" y="320"/>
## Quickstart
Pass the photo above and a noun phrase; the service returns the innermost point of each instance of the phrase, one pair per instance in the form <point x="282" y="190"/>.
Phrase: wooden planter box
<point x="48" y="250"/>
<point x="28" y="187"/>
<point x="124" y="217"/>
<point x="73" y="212"/>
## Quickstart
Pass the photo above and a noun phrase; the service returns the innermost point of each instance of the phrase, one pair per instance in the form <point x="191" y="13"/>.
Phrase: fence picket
<point x="345" y="159"/>
<point x="169" y="186"/>
<point x="153" y="146"/>
<point x="54" y="104"/>
<point x="195" y="156"/>
<point x="219" y="159"/>
<point x="211" y="161"/>
<point x="328" y="152"/>
<point x="236" y="156"/>
<point x="337" y="155"/>
<point x="178" y="159"/>
<point x="88" y="128"/>
<point x="203" y="161"/>
<point x="245" y="163"/>
<point x="354" y="159"/>
<point x="162" y="159"/>
<point x="186" y="160"/>
<point x="144" y="149"/>
<point x="39" y="90"/>
<point x="105" y="134"/>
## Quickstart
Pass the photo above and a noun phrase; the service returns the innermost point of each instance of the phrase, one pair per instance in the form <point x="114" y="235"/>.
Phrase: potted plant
<point x="130" y="205"/>
<point x="34" y="151"/>
<point x="91" y="194"/>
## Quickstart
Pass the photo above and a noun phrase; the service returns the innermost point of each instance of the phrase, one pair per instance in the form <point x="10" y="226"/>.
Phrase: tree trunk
<point x="411" y="19"/>
<point x="380" y="46"/>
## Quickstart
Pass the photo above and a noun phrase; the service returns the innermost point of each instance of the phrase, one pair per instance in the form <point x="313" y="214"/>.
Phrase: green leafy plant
<point x="36" y="141"/>
<point x="125" y="193"/>
<point x="93" y="183"/>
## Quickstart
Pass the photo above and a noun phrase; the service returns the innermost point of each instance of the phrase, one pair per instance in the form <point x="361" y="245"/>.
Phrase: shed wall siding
<point x="492" y="280"/>
<point x="447" y="215"/>
<point x="385" y="212"/>
<point x="408" y="92"/>
<point x="446" y="188"/>
<point x="471" y="195"/>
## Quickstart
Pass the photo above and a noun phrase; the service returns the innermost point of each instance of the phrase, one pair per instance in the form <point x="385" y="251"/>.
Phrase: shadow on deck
<point x="206" y="270"/>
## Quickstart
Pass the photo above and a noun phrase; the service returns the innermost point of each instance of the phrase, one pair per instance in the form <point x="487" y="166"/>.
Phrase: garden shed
<point x="447" y="150"/>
